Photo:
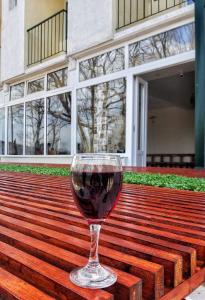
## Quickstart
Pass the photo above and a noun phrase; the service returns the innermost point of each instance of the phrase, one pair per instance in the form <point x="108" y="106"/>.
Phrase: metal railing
<point x="47" y="38"/>
<point x="132" y="11"/>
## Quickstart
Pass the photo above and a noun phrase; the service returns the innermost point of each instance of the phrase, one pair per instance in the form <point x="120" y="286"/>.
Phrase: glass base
<point x="93" y="276"/>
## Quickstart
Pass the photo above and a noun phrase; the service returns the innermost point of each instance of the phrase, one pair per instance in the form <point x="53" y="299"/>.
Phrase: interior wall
<point x="39" y="10"/>
<point x="170" y="131"/>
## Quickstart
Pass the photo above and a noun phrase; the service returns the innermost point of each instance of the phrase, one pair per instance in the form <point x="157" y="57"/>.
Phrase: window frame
<point x="109" y="78"/>
<point x="12" y="4"/>
<point x="46" y="123"/>
<point x="54" y="71"/>
<point x="13" y="85"/>
<point x="32" y="80"/>
<point x="36" y="96"/>
<point x="25" y="123"/>
<point x="128" y="73"/>
<point x="99" y="55"/>
<point x="5" y="139"/>
<point x="7" y="128"/>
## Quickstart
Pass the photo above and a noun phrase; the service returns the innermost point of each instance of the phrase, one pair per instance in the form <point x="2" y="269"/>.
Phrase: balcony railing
<point x="132" y="11"/>
<point x="47" y="38"/>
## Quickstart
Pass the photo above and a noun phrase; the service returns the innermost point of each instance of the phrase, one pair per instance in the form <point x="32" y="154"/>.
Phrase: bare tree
<point x="59" y="116"/>
<point x="162" y="45"/>
<point x="101" y="117"/>
<point x="34" y="126"/>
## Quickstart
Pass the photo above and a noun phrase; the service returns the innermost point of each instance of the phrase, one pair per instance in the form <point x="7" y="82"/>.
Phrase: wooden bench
<point x="154" y="240"/>
<point x="171" y="160"/>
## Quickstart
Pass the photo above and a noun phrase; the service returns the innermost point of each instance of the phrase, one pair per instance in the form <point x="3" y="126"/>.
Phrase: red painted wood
<point x="154" y="240"/>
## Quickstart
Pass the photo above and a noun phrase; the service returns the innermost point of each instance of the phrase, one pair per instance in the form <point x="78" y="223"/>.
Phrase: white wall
<point x="171" y="131"/>
<point x="36" y="159"/>
<point x="90" y="22"/>
<point x="2" y="101"/>
<point x="12" y="54"/>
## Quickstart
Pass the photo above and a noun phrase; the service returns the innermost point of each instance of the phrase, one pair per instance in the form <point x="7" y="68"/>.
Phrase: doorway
<point x="171" y="117"/>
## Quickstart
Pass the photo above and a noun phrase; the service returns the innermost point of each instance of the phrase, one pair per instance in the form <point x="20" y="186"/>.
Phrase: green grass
<point x="36" y="170"/>
<point x="169" y="181"/>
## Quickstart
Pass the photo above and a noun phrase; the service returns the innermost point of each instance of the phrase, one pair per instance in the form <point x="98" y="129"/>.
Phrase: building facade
<point x="114" y="76"/>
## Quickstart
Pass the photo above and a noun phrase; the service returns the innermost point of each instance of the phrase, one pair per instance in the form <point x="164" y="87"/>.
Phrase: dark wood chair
<point x="171" y="160"/>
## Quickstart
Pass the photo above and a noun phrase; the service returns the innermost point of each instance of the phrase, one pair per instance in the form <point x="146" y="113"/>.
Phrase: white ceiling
<point x="168" y="72"/>
<point x="171" y="87"/>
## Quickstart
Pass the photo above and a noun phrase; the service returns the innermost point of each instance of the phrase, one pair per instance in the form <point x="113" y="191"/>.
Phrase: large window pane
<point x="2" y="131"/>
<point x="102" y="117"/>
<point x="15" y="129"/>
<point x="36" y="86"/>
<point x="106" y="63"/>
<point x="57" y="79"/>
<point x="17" y="91"/>
<point x="59" y="124"/>
<point x="35" y="127"/>
<point x="162" y="45"/>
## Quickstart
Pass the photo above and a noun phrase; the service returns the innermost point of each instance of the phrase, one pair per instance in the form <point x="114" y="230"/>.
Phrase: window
<point x="12" y="4"/>
<point x="15" y="129"/>
<point x="57" y="79"/>
<point x="17" y="91"/>
<point x="162" y="45"/>
<point x="2" y="131"/>
<point x="59" y="124"/>
<point x="106" y="63"/>
<point x="36" y="86"/>
<point x="101" y="117"/>
<point x="35" y="127"/>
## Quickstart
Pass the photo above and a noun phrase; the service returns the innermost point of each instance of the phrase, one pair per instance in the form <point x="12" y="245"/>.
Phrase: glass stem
<point x="94" y="233"/>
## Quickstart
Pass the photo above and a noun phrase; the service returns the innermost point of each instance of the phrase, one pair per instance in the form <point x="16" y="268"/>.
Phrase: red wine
<point x="96" y="193"/>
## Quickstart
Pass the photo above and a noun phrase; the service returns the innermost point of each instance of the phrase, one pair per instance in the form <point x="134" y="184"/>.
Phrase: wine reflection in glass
<point x="96" y="181"/>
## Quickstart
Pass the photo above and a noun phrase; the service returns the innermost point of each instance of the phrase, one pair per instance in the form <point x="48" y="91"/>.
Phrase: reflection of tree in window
<point x="162" y="45"/>
<point x="106" y="63"/>
<point x="15" y="129"/>
<point x="2" y="131"/>
<point x="17" y="91"/>
<point x="101" y="117"/>
<point x="57" y="79"/>
<point x="59" y="124"/>
<point x="35" y="127"/>
<point x="36" y="86"/>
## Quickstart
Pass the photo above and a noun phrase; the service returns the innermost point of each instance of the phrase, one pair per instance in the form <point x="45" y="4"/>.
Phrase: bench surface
<point x="154" y="240"/>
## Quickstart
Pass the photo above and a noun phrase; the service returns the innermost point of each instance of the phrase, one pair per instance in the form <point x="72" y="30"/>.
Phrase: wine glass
<point x="96" y="181"/>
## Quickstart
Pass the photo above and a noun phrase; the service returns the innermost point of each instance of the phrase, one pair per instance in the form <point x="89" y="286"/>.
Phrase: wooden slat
<point x="188" y="254"/>
<point x="151" y="273"/>
<point x="49" y="278"/>
<point x="154" y="240"/>
<point x="172" y="262"/>
<point x="14" y="288"/>
<point x="186" y="287"/>
<point x="127" y="285"/>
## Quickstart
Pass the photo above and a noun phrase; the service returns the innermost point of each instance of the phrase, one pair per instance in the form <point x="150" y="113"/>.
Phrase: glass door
<point x="140" y="123"/>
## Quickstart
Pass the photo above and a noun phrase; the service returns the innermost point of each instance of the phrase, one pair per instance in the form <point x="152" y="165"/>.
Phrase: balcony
<point x="132" y="11"/>
<point x="47" y="38"/>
